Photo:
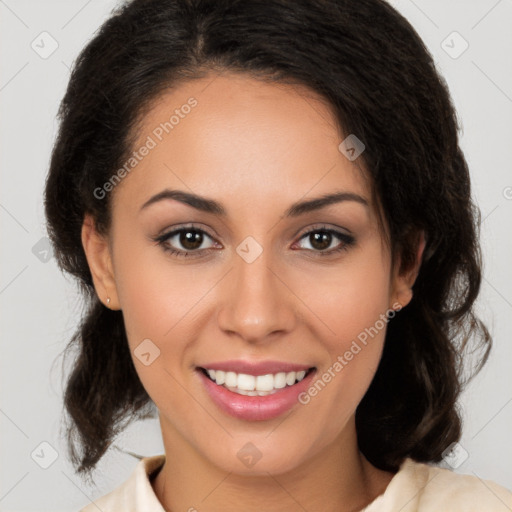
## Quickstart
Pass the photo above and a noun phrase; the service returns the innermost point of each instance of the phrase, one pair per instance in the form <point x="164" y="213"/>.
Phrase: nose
<point x="257" y="300"/>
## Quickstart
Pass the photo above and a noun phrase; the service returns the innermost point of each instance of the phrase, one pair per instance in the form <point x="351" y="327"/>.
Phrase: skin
<point x="257" y="148"/>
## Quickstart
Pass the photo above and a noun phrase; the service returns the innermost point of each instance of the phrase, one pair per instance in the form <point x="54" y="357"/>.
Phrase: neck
<point x="339" y="478"/>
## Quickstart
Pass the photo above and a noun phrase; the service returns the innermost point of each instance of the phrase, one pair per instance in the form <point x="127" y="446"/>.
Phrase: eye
<point x="321" y="239"/>
<point x="191" y="240"/>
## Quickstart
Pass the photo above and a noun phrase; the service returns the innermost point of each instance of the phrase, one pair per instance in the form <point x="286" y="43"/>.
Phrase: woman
<point x="270" y="216"/>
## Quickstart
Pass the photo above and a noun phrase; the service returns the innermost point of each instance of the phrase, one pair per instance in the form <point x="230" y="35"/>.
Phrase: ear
<point x="403" y="280"/>
<point x="98" y="254"/>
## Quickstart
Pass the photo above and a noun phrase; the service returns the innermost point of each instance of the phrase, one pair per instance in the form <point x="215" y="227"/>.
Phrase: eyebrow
<point x="211" y="206"/>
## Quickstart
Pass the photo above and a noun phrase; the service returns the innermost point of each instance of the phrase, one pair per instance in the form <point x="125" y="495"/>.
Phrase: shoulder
<point x="424" y="488"/>
<point x="441" y="488"/>
<point x="135" y="494"/>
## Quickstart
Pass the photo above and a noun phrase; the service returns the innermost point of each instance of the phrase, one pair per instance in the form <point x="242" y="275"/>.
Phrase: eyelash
<point x="346" y="241"/>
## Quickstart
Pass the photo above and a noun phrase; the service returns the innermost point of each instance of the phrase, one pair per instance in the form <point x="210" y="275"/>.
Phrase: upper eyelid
<point x="175" y="231"/>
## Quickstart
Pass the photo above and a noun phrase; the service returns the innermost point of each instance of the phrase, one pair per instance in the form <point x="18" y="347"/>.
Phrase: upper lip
<point x="256" y="367"/>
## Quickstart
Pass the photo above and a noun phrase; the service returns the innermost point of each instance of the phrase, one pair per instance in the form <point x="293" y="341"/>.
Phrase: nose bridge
<point x="257" y="303"/>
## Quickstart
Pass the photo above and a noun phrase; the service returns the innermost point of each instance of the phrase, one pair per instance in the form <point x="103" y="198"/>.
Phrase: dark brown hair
<point x="372" y="68"/>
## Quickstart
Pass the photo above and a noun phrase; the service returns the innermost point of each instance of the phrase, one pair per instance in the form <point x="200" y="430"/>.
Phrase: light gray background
<point x="39" y="307"/>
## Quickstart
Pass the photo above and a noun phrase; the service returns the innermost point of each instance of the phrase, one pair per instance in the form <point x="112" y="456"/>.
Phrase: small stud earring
<point x="108" y="301"/>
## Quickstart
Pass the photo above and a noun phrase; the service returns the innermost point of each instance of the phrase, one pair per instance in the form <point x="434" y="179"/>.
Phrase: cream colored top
<point x="415" y="487"/>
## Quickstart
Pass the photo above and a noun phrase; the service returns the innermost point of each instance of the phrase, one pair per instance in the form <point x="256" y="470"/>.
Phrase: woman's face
<point x="255" y="287"/>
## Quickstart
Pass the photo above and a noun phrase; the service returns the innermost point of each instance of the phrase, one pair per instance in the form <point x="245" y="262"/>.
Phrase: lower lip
<point x="255" y="408"/>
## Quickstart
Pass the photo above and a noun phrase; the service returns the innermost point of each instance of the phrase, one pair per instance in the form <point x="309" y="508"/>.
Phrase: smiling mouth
<point x="251" y="385"/>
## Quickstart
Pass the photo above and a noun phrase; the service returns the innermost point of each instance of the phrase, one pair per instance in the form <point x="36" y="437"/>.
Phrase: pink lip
<point x="256" y="368"/>
<point x="255" y="408"/>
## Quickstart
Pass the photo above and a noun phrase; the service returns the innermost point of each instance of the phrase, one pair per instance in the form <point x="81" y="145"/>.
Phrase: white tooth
<point x="290" y="378"/>
<point x="220" y="377"/>
<point x="263" y="393"/>
<point x="245" y="382"/>
<point x="265" y="382"/>
<point x="230" y="380"/>
<point x="280" y="380"/>
<point x="242" y="391"/>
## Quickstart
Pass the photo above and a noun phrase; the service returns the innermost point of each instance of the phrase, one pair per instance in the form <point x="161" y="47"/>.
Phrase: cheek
<point x="349" y="297"/>
<point x="164" y="302"/>
<point x="157" y="298"/>
<point x="352" y="306"/>
<point x="155" y="293"/>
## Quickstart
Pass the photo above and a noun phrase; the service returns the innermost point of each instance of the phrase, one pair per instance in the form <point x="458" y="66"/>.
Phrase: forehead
<point x="243" y="141"/>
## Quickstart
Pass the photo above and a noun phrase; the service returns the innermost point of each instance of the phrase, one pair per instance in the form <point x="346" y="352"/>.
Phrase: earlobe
<point x="403" y="282"/>
<point x="97" y="252"/>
